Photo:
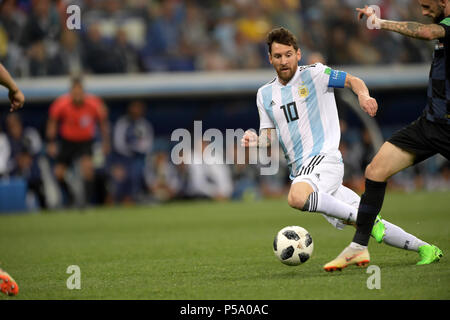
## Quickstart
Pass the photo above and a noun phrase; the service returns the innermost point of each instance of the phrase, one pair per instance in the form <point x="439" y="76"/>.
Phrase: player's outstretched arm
<point x="366" y="102"/>
<point x="406" y="28"/>
<point x="251" y="139"/>
<point x="15" y="95"/>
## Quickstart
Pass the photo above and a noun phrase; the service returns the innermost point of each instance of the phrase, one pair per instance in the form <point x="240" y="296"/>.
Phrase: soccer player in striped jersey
<point x="423" y="138"/>
<point x="298" y="107"/>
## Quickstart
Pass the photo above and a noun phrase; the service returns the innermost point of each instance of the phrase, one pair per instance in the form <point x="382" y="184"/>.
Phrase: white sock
<point x="399" y="238"/>
<point x="331" y="206"/>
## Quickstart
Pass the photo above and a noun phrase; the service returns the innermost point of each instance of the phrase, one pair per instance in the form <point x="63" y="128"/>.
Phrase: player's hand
<point x="250" y="139"/>
<point x="17" y="99"/>
<point x="368" y="104"/>
<point x="368" y="12"/>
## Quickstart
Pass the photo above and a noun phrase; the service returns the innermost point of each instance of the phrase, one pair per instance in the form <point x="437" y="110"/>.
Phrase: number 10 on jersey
<point x="290" y="111"/>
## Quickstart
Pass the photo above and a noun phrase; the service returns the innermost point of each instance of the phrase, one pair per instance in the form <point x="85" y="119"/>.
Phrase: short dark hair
<point x="283" y="36"/>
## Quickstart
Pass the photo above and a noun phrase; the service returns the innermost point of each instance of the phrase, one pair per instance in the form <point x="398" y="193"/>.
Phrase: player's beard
<point x="285" y="75"/>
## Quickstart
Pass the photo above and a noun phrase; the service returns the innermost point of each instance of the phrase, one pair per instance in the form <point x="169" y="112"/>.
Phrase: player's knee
<point x="297" y="201"/>
<point x="375" y="172"/>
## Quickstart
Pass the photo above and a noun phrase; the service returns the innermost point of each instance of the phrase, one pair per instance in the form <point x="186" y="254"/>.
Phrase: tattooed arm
<point x="410" y="29"/>
<point x="414" y="29"/>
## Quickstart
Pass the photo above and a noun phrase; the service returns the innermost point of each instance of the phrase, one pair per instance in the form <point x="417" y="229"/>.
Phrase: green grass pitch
<point x="208" y="250"/>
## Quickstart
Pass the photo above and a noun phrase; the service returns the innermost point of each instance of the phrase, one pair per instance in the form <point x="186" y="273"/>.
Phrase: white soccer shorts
<point x="324" y="173"/>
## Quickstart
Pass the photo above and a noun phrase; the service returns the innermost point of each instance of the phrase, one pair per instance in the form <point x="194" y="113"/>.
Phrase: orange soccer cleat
<point x="7" y="284"/>
<point x="358" y="257"/>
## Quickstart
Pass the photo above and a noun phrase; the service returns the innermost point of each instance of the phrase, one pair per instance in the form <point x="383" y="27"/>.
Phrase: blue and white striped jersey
<point x="303" y="112"/>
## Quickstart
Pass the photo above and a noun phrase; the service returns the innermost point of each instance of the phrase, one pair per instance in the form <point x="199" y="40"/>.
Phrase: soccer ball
<point x="293" y="245"/>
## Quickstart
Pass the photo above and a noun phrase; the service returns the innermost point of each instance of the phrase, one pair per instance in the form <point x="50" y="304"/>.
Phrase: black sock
<point x="369" y="207"/>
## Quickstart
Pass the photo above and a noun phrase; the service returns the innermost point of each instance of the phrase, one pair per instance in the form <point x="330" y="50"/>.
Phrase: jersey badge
<point x="303" y="91"/>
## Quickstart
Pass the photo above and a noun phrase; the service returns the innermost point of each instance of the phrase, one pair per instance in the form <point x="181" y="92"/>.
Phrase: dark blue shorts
<point x="424" y="139"/>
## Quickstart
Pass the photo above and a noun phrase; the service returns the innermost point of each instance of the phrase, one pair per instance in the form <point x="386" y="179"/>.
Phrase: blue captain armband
<point x="337" y="78"/>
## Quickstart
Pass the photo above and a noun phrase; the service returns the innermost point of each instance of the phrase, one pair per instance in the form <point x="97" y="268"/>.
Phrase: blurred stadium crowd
<point x="133" y="36"/>
<point x="138" y="168"/>
<point x="173" y="35"/>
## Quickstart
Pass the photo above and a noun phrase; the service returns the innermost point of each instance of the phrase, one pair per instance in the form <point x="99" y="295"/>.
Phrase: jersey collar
<point x="297" y="72"/>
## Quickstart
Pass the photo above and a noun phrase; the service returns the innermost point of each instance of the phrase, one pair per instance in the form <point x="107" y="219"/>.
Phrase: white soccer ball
<point x="293" y="245"/>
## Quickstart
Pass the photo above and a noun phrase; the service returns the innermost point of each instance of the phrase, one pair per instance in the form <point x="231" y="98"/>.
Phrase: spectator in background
<point x="362" y="50"/>
<point x="253" y="23"/>
<point x="182" y="173"/>
<point x="224" y="31"/>
<point x="338" y="50"/>
<point x="173" y="35"/>
<point x="246" y="55"/>
<point x="162" y="50"/>
<point x="5" y="152"/>
<point x="351" y="155"/>
<point x="194" y="35"/>
<point x="39" y="62"/>
<point x="161" y="177"/>
<point x="442" y="179"/>
<point x="127" y="56"/>
<point x="75" y="116"/>
<point x="210" y="179"/>
<point x="119" y="187"/>
<point x="26" y="144"/>
<point x="40" y="36"/>
<point x="286" y="13"/>
<point x="21" y="138"/>
<point x="315" y="57"/>
<point x="12" y="23"/>
<point x="213" y="59"/>
<point x="99" y="57"/>
<point x="244" y="175"/>
<point x="12" y="20"/>
<point x="43" y="24"/>
<point x="68" y="59"/>
<point x="27" y="168"/>
<point x="132" y="141"/>
<point x="276" y="185"/>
